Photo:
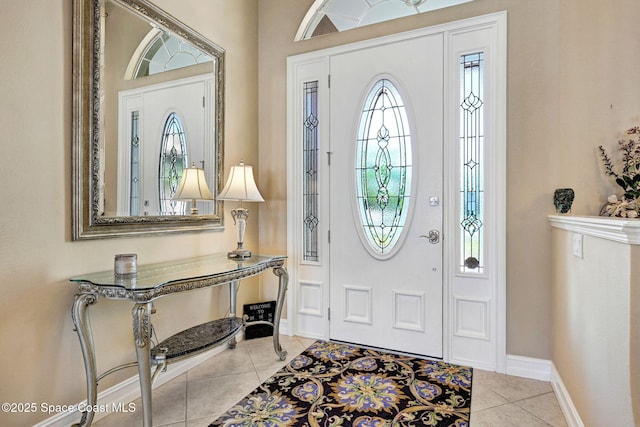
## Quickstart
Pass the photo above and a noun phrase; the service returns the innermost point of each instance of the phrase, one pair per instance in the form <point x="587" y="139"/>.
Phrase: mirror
<point x="148" y="99"/>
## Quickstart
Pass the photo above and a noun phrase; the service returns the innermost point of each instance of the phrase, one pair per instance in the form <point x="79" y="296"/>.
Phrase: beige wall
<point x="572" y="85"/>
<point x="592" y="317"/>
<point x="40" y="359"/>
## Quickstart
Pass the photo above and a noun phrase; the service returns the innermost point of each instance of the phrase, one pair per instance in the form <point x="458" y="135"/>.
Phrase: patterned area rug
<point x="331" y="385"/>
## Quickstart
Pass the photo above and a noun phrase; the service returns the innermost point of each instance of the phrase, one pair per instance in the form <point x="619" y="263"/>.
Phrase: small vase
<point x="563" y="199"/>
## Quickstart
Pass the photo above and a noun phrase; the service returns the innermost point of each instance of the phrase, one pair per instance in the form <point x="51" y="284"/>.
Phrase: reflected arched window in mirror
<point x="161" y="51"/>
<point x="173" y="160"/>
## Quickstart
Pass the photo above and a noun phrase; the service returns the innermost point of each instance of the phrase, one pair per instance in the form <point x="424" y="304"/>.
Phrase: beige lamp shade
<point x="241" y="185"/>
<point x="193" y="186"/>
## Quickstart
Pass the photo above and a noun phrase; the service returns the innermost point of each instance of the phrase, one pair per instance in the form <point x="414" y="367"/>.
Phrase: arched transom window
<point x="165" y="52"/>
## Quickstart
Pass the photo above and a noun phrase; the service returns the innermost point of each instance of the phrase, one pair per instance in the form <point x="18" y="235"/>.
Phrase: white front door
<point x="386" y="136"/>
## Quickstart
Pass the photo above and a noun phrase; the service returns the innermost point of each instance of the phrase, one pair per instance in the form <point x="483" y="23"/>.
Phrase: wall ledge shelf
<point x="622" y="230"/>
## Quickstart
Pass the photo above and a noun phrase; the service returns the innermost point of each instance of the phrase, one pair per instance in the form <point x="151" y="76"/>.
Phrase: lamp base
<point x="239" y="254"/>
<point x="240" y="216"/>
<point x="194" y="207"/>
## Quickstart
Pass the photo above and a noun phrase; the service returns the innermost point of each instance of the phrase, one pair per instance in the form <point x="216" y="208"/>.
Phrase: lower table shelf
<point x="162" y="280"/>
<point x="197" y="339"/>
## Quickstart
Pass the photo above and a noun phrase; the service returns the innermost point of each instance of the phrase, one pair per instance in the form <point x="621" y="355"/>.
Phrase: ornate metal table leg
<point x="283" y="282"/>
<point x="142" y="335"/>
<point x="233" y="288"/>
<point x="82" y="325"/>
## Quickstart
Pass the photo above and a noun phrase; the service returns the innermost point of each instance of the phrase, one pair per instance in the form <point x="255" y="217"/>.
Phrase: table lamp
<point x="193" y="186"/>
<point x="241" y="187"/>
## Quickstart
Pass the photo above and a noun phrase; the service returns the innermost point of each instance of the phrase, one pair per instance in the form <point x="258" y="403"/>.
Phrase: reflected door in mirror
<point x="163" y="130"/>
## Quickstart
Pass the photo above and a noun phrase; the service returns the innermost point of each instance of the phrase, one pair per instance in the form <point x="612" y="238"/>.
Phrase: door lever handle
<point x="433" y="236"/>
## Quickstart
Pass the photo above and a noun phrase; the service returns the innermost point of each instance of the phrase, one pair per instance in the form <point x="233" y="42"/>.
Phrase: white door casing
<point x="474" y="309"/>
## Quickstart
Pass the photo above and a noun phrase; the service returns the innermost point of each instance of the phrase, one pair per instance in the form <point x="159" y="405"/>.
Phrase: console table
<point x="160" y="280"/>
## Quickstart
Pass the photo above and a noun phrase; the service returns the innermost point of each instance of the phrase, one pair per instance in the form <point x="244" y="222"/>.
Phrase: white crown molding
<point x="620" y="230"/>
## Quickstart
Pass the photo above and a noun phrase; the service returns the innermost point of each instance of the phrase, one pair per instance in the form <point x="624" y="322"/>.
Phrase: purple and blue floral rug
<point x="331" y="385"/>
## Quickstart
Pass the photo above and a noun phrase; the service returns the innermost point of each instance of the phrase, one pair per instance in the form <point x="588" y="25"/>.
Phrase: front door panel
<point x="386" y="189"/>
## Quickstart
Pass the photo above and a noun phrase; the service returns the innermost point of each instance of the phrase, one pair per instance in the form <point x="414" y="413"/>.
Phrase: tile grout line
<point x="520" y="399"/>
<point x="186" y="400"/>
<point x="534" y="415"/>
<point x="512" y="403"/>
<point x="527" y="410"/>
<point x="515" y="402"/>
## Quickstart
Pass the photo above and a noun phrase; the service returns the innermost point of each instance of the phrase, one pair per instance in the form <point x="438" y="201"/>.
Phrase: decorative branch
<point x="606" y="160"/>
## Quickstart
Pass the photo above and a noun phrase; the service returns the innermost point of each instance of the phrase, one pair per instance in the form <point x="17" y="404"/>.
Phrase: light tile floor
<point x="199" y="396"/>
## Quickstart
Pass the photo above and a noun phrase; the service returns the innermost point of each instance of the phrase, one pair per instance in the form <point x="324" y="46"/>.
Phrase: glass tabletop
<point x="154" y="275"/>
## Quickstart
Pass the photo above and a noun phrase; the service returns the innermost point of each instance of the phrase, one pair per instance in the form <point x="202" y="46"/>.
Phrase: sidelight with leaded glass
<point x="471" y="163"/>
<point x="134" y="182"/>
<point x="310" y="214"/>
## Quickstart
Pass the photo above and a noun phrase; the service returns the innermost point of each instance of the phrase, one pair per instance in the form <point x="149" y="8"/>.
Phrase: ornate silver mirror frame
<point x="88" y="133"/>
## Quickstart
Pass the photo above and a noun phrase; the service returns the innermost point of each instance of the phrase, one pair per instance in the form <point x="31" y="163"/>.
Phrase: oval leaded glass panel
<point x="383" y="168"/>
<point x="173" y="160"/>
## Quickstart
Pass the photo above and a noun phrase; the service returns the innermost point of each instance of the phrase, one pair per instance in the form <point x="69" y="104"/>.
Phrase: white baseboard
<point x="528" y="367"/>
<point x="564" y="400"/>
<point x="128" y="390"/>
<point x="284" y="327"/>
<point x="545" y="370"/>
